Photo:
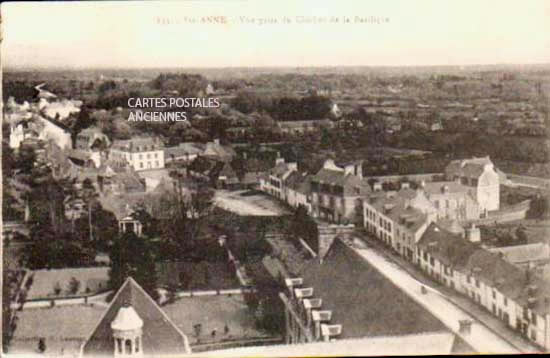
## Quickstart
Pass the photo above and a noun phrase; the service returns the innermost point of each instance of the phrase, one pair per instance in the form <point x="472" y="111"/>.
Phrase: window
<point x="468" y="279"/>
<point x="477" y="283"/>
<point x="137" y="344"/>
<point x="534" y="318"/>
<point x="148" y="156"/>
<point x="432" y="261"/>
<point x="141" y="164"/>
<point x="505" y="301"/>
<point x="447" y="204"/>
<point x="140" y="156"/>
<point x="494" y="294"/>
<point x="533" y="335"/>
<point x="425" y="256"/>
<point x="437" y="204"/>
<point x="157" y="164"/>
<point x="156" y="155"/>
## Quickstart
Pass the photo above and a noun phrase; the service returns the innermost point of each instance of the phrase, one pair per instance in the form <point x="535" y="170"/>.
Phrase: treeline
<point x="311" y="107"/>
<point x="531" y="150"/>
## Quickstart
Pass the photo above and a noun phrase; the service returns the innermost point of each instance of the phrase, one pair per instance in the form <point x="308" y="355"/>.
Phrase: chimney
<point x="293" y="166"/>
<point x="279" y="160"/>
<point x="217" y="141"/>
<point x="445" y="189"/>
<point x="318" y="318"/>
<point x="422" y="184"/>
<point x="405" y="185"/>
<point x="377" y="186"/>
<point x="473" y="234"/>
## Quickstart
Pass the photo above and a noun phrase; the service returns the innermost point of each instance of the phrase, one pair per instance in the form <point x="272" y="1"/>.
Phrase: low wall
<point x="513" y="213"/>
<point x="531" y="181"/>
<point x="60" y="301"/>
<point x="410" y="177"/>
<point x="228" y="292"/>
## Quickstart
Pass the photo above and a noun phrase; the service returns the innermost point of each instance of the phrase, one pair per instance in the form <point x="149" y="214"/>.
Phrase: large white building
<point x="482" y="179"/>
<point x="142" y="153"/>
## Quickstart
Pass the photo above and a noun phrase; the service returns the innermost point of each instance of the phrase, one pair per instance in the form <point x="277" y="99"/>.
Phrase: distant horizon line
<point x="16" y="68"/>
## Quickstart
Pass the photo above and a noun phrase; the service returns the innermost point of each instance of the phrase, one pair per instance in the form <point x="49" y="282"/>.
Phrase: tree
<point x="304" y="227"/>
<point x="521" y="235"/>
<point x="74" y="286"/>
<point x="186" y="212"/>
<point x="57" y="288"/>
<point x="90" y="195"/>
<point x="41" y="345"/>
<point x="132" y="256"/>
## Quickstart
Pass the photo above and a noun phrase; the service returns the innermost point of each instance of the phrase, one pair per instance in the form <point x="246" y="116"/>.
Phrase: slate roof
<point x="216" y="150"/>
<point x="397" y="207"/>
<point x="435" y="188"/>
<point x="471" y="168"/>
<point x="348" y="181"/>
<point x="134" y="144"/>
<point x="417" y="344"/>
<point x="489" y="267"/>
<point x="160" y="334"/>
<point x="183" y="149"/>
<point x="279" y="170"/>
<point x="364" y="301"/>
<point x="448" y="248"/>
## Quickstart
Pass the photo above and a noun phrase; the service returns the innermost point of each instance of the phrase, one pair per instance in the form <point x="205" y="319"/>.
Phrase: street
<point x="481" y="338"/>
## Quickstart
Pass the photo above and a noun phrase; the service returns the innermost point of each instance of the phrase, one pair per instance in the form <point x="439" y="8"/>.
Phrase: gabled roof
<point x="348" y="181"/>
<point x="279" y="170"/>
<point x="363" y="300"/>
<point x="217" y="150"/>
<point x="488" y="267"/>
<point x="471" y="168"/>
<point x="450" y="249"/>
<point x="160" y="335"/>
<point x="183" y="149"/>
<point x="398" y="206"/>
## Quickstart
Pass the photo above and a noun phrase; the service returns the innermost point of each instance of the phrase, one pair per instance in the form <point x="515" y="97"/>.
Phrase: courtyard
<point x="244" y="202"/>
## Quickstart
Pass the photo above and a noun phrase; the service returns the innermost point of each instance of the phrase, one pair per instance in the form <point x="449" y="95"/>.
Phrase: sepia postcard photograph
<point x="239" y="178"/>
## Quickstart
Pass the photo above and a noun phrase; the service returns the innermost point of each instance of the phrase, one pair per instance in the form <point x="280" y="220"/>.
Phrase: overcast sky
<point x="419" y="32"/>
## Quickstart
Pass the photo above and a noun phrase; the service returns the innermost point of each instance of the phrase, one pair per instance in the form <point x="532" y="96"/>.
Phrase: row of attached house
<point x="422" y="226"/>
<point x="332" y="194"/>
<point x="516" y="295"/>
<point x="451" y="255"/>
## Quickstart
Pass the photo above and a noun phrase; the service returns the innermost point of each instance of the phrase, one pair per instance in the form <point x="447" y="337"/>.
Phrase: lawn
<point x="196" y="275"/>
<point x="92" y="278"/>
<point x="213" y="313"/>
<point x="64" y="329"/>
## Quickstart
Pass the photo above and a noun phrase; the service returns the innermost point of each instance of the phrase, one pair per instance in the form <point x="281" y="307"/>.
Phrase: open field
<point x="94" y="278"/>
<point x="213" y="313"/>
